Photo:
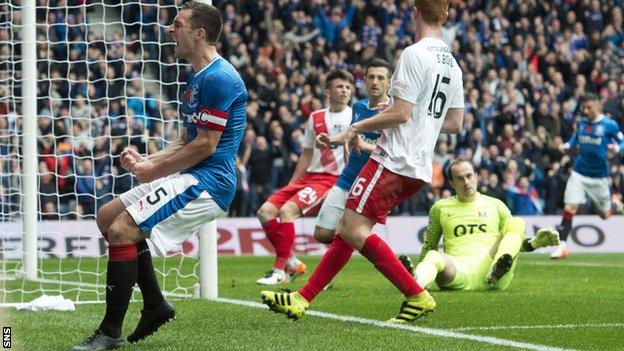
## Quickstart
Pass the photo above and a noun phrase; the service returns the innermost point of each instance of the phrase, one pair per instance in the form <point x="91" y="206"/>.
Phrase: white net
<point x="106" y="79"/>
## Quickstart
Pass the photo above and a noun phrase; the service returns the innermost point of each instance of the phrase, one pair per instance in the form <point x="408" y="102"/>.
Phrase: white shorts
<point x="332" y="209"/>
<point x="579" y="187"/>
<point x="171" y="208"/>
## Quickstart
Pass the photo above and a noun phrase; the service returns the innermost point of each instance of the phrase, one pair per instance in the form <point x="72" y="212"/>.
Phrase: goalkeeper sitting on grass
<point x="481" y="238"/>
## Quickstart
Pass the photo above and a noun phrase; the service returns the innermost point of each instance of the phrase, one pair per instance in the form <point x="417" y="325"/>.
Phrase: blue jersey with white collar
<point x="216" y="99"/>
<point x="592" y="139"/>
<point x="361" y="111"/>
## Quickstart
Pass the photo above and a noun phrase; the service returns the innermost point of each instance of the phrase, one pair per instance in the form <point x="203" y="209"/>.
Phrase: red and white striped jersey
<point x="330" y="160"/>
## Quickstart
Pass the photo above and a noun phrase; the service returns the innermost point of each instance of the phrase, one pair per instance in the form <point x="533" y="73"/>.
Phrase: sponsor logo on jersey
<point x="195" y="117"/>
<point x="463" y="229"/>
<point x="588" y="139"/>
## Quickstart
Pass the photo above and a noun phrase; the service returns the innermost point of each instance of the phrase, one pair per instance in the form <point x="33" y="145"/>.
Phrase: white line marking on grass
<point x="422" y="330"/>
<point x="545" y="326"/>
<point x="573" y="264"/>
<point x="99" y="286"/>
<point x="174" y="295"/>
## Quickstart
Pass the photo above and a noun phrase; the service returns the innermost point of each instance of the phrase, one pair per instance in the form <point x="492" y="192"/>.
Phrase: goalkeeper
<point x="481" y="238"/>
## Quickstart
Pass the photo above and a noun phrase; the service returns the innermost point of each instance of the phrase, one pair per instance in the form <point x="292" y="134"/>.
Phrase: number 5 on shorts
<point x="157" y="195"/>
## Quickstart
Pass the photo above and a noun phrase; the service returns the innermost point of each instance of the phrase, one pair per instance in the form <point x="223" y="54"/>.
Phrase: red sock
<point x="284" y="244"/>
<point x="271" y="228"/>
<point x="332" y="262"/>
<point x="124" y="252"/>
<point x="380" y="254"/>
<point x="568" y="215"/>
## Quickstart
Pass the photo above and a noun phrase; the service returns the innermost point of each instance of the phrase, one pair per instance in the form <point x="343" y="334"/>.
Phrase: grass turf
<point x="583" y="292"/>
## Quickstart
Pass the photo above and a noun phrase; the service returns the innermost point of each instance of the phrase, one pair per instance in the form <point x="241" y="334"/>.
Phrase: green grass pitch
<point x="577" y="303"/>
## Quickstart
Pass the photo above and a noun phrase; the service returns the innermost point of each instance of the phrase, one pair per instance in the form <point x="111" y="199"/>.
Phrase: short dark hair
<point x="457" y="162"/>
<point x="377" y="62"/>
<point x="338" y="74"/>
<point x="591" y="97"/>
<point x="206" y="17"/>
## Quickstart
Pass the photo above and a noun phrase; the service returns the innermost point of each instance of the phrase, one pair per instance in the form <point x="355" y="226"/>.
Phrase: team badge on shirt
<point x="482" y="214"/>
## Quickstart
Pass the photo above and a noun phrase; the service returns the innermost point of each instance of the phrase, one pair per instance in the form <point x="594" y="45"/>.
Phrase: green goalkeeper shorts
<point x="471" y="273"/>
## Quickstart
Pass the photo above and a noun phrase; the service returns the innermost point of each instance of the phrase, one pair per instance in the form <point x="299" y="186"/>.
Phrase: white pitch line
<point x="546" y="326"/>
<point x="422" y="330"/>
<point x="98" y="286"/>
<point x="83" y="285"/>
<point x="573" y="264"/>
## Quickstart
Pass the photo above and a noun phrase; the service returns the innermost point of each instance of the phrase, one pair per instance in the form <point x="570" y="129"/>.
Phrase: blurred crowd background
<point x="107" y="78"/>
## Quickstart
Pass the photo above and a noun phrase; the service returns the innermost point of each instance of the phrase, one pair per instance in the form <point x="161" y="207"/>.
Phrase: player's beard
<point x="340" y="101"/>
<point x="179" y="51"/>
<point x="176" y="52"/>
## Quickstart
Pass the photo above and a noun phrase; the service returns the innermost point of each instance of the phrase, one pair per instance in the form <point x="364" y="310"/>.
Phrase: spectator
<point x="333" y="24"/>
<point x="523" y="199"/>
<point x="85" y="186"/>
<point x="47" y="190"/>
<point x="493" y="188"/>
<point x="259" y="173"/>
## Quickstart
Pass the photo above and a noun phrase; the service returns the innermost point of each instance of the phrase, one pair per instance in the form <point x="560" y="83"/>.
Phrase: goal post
<point x="29" y="138"/>
<point x="208" y="276"/>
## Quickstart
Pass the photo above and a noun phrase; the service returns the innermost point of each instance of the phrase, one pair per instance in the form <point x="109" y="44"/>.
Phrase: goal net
<point x="106" y="78"/>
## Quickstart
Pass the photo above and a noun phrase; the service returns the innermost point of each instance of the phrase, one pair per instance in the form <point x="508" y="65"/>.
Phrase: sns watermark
<point x="6" y="337"/>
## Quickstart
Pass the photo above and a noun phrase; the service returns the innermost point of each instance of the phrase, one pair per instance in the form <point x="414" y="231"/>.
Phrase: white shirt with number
<point x="427" y="76"/>
<point x="330" y="160"/>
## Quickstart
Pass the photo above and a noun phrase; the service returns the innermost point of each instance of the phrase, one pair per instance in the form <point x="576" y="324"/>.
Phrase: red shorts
<point x="376" y="191"/>
<point x="308" y="192"/>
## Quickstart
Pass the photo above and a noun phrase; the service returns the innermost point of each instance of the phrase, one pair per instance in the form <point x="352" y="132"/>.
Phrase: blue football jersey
<point x="592" y="139"/>
<point x="357" y="161"/>
<point x="216" y="98"/>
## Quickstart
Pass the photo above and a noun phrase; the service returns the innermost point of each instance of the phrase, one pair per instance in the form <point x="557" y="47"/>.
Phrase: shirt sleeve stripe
<point x="212" y="119"/>
<point x="214" y="112"/>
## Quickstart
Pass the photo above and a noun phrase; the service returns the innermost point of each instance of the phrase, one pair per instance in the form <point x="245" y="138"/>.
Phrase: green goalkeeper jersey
<point x="469" y="229"/>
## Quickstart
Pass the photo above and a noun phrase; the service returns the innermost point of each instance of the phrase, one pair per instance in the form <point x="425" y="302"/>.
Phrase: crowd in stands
<point x="526" y="66"/>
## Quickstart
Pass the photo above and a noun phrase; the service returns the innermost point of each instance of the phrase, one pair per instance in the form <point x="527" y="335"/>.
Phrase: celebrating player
<point x="185" y="185"/>
<point x="596" y="136"/>
<point x="377" y="79"/>
<point x="427" y="94"/>
<point x="481" y="238"/>
<point x="316" y="172"/>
